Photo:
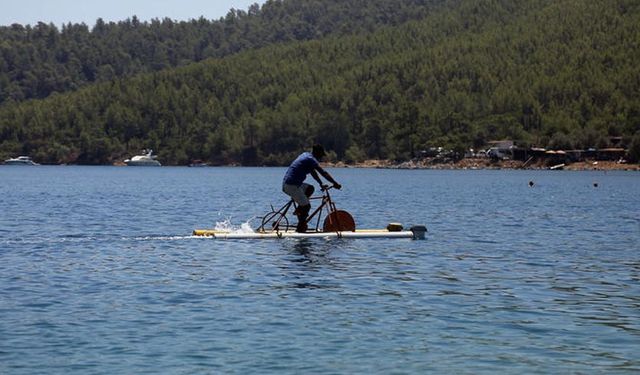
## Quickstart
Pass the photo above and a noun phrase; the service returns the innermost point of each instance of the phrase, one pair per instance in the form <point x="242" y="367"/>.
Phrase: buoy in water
<point x="530" y="183"/>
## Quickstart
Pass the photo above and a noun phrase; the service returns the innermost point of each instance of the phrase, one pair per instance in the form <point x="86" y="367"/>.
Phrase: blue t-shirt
<point x="300" y="168"/>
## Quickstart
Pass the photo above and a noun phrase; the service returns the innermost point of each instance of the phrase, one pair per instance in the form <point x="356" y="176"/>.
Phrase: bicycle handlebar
<point x="329" y="187"/>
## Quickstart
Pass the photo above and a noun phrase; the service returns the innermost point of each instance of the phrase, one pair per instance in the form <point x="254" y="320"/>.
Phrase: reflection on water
<point x="105" y="278"/>
<point x="311" y="251"/>
<point x="308" y="261"/>
<point x="302" y="246"/>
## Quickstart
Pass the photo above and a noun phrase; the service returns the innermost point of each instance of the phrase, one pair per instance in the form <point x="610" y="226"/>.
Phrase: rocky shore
<point x="486" y="163"/>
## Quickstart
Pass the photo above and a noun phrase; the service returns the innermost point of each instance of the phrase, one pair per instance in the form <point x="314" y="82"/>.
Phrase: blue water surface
<point x="99" y="274"/>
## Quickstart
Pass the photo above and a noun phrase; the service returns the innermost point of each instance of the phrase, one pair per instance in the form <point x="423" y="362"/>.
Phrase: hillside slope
<point x="38" y="60"/>
<point x="545" y="72"/>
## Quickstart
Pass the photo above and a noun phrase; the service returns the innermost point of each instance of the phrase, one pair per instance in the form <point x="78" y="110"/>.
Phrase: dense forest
<point x="553" y="73"/>
<point x="36" y="61"/>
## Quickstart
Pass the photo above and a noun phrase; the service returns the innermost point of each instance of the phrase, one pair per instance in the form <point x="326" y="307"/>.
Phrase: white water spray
<point x="227" y="226"/>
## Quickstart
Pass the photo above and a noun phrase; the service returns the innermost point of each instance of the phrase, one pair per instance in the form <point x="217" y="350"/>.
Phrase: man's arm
<point x="326" y="175"/>
<point x="315" y="176"/>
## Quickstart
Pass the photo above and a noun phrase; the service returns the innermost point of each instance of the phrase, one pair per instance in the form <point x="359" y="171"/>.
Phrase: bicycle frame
<point x="278" y="217"/>
<point x="326" y="200"/>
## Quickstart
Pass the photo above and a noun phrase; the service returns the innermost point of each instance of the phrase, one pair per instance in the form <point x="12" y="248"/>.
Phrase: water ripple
<point x="518" y="280"/>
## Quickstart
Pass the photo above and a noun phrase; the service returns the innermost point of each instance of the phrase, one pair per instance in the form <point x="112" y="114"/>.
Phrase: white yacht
<point x="144" y="160"/>
<point x="20" y="160"/>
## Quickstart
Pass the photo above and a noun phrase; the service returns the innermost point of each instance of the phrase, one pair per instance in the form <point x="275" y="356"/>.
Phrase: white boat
<point x="144" y="160"/>
<point x="20" y="160"/>
<point x="198" y="163"/>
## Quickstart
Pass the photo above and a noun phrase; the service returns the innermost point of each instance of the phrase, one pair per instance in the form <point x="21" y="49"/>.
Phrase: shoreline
<point x="488" y="164"/>
<point x="429" y="163"/>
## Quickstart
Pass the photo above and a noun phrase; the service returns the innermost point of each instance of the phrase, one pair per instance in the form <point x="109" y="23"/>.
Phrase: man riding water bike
<point x="294" y="186"/>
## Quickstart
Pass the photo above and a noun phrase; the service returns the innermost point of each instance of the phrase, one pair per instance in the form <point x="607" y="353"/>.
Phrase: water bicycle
<point x="336" y="224"/>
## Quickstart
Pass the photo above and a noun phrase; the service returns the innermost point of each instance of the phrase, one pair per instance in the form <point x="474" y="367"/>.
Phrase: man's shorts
<point x="297" y="193"/>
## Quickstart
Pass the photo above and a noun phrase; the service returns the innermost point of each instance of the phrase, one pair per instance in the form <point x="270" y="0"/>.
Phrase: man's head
<point x="318" y="151"/>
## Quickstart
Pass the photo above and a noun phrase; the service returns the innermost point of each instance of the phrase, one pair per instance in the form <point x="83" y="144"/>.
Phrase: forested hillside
<point x="557" y="73"/>
<point x="38" y="60"/>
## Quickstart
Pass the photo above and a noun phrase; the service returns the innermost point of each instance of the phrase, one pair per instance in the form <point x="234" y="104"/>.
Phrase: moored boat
<point x="20" y="160"/>
<point x="198" y="164"/>
<point x="144" y="160"/>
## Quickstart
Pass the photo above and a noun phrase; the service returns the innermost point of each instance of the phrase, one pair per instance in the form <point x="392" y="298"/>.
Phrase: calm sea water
<point x="99" y="274"/>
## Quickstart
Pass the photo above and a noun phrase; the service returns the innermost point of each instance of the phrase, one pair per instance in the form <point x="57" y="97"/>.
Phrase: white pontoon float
<point x="416" y="232"/>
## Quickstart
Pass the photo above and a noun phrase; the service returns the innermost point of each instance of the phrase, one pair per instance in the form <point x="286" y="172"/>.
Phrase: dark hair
<point x="318" y="150"/>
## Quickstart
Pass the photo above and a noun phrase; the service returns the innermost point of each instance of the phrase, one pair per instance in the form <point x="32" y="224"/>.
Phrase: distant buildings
<point x="508" y="150"/>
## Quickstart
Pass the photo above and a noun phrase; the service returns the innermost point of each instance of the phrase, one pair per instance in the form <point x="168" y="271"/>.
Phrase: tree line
<point x="38" y="60"/>
<point x="558" y="74"/>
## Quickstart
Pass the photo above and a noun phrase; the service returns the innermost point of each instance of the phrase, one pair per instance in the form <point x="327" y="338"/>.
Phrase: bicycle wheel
<point x="274" y="221"/>
<point x="339" y="221"/>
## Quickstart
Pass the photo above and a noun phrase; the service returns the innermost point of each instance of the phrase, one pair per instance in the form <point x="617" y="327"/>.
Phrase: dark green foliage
<point x="41" y="59"/>
<point x="543" y="72"/>
<point x="634" y="149"/>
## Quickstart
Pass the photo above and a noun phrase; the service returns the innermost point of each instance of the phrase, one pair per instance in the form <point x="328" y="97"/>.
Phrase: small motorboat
<point x="144" y="160"/>
<point x="20" y="160"/>
<point x="198" y="164"/>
